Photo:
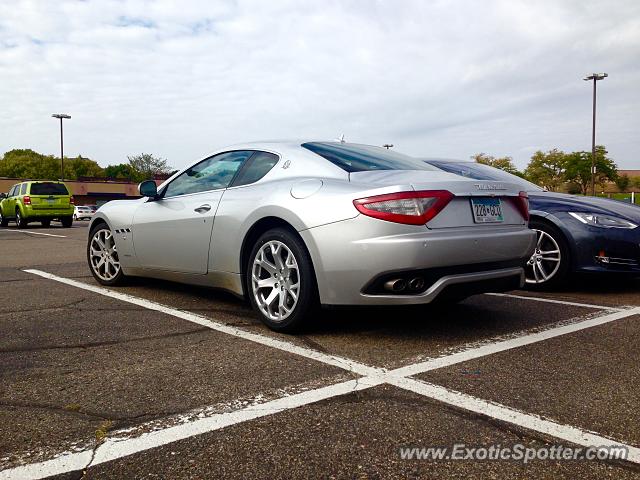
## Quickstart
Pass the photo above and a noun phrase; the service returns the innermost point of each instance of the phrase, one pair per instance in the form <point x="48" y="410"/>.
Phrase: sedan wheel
<point x="102" y="255"/>
<point x="549" y="262"/>
<point x="275" y="280"/>
<point x="280" y="280"/>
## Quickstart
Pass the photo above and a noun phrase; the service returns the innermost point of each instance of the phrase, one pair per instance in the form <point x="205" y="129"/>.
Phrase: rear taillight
<point x="26" y="200"/>
<point x="412" y="208"/>
<point x="522" y="202"/>
<point x="72" y="200"/>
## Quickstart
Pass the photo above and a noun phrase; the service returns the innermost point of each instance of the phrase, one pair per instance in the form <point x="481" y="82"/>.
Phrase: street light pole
<point x="61" y="116"/>
<point x="388" y="145"/>
<point x="595" y="77"/>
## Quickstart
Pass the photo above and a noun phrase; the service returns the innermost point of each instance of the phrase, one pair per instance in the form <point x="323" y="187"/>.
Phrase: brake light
<point x="26" y="200"/>
<point x="72" y="200"/>
<point x="522" y="203"/>
<point x="412" y="208"/>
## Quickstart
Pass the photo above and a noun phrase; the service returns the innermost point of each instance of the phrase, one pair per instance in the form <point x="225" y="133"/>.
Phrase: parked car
<point x="575" y="233"/>
<point x="83" y="212"/>
<point x="291" y="225"/>
<point x="37" y="202"/>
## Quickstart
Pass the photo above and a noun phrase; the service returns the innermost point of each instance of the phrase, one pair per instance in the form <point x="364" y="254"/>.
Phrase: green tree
<point x="623" y="182"/>
<point x="503" y="163"/>
<point x="636" y="182"/>
<point x="81" y="167"/>
<point x="547" y="169"/>
<point x="26" y="163"/>
<point x="146" y="165"/>
<point x="578" y="168"/>
<point x="121" y="170"/>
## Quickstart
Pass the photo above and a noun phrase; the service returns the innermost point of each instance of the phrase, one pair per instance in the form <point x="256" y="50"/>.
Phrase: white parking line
<point x="36" y="233"/>
<point x="536" y="423"/>
<point x="115" y="448"/>
<point x="559" y="302"/>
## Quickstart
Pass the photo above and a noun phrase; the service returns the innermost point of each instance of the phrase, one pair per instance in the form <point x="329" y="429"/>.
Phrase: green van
<point x="37" y="202"/>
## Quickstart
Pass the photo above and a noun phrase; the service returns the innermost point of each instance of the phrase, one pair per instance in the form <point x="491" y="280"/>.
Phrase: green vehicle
<point x="37" y="202"/>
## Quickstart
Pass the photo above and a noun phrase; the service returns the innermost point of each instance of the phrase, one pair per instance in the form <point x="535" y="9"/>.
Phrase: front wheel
<point x="3" y="220"/>
<point x="66" y="221"/>
<point x="280" y="280"/>
<point x="548" y="266"/>
<point x="102" y="256"/>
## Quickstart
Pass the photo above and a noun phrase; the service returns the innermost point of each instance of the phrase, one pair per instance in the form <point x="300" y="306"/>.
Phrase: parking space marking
<point x="506" y="414"/>
<point x="511" y="343"/>
<point x="334" y="360"/>
<point x="114" y="448"/>
<point x="36" y="233"/>
<point x="559" y="302"/>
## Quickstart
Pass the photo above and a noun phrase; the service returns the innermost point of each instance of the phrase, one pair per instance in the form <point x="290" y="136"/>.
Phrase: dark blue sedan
<point x="575" y="233"/>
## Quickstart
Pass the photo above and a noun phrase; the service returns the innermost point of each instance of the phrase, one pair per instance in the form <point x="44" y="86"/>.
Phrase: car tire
<point x="75" y="217"/>
<point x="21" y="222"/>
<point x="3" y="220"/>
<point x="45" y="223"/>
<point x="280" y="261"/>
<point x="66" y="221"/>
<point x="102" y="256"/>
<point x="550" y="264"/>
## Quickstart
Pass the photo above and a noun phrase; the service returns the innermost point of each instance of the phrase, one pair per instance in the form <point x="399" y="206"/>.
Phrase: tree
<point x="81" y="167"/>
<point x="26" y="163"/>
<point x="622" y="182"/>
<point x="636" y="182"/>
<point x="122" y="170"/>
<point x="146" y="165"/>
<point x="503" y="163"/>
<point x="578" y="168"/>
<point x="547" y="169"/>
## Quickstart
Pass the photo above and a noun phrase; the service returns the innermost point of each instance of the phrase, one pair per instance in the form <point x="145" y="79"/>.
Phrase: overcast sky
<point x="435" y="78"/>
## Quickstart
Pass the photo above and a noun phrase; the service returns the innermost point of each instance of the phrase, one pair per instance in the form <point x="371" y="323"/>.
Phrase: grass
<point x="622" y="196"/>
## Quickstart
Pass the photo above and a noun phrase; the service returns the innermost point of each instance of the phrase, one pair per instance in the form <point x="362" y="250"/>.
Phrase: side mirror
<point x="148" y="188"/>
<point x="3" y="195"/>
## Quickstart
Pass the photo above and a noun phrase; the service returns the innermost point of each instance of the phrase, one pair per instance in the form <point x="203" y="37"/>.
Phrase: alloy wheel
<point x="275" y="280"/>
<point x="103" y="255"/>
<point x="545" y="261"/>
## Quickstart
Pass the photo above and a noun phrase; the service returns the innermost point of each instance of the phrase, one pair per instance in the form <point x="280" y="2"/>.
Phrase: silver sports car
<point x="294" y="225"/>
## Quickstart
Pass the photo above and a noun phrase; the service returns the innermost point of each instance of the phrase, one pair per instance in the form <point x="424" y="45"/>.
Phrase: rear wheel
<point x="21" y="222"/>
<point x="549" y="265"/>
<point x="75" y="217"/>
<point x="102" y="256"/>
<point x="280" y="280"/>
<point x="66" y="221"/>
<point x="45" y="223"/>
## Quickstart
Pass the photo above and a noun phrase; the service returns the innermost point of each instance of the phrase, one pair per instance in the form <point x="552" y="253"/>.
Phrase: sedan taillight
<point x="522" y="202"/>
<point x="412" y="208"/>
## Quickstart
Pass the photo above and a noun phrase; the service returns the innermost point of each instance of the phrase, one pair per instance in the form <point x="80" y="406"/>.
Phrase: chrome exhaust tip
<point x="395" y="285"/>
<point x="416" y="283"/>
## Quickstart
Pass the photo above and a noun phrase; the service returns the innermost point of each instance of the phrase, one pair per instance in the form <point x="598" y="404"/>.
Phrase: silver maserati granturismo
<point x="294" y="225"/>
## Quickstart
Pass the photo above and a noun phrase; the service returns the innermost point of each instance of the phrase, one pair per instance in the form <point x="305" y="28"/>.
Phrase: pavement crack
<point x="103" y="343"/>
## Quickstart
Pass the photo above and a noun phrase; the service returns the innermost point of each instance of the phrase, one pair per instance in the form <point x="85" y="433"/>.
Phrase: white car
<point x="82" y="212"/>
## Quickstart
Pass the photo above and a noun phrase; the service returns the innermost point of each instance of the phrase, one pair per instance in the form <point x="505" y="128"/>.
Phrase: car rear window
<point x="365" y="158"/>
<point x="46" y="188"/>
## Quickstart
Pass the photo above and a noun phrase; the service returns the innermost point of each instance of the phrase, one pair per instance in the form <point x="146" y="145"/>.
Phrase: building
<point x="91" y="191"/>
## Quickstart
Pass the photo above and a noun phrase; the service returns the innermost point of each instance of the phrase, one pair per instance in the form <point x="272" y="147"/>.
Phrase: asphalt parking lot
<point x="160" y="380"/>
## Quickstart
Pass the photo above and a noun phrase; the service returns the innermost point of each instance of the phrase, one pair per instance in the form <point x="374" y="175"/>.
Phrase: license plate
<point x="51" y="201"/>
<point x="487" y="210"/>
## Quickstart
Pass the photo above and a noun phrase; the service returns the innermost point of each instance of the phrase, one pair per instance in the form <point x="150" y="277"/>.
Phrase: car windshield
<point x="365" y="158"/>
<point x="46" y="188"/>
<point x="479" y="171"/>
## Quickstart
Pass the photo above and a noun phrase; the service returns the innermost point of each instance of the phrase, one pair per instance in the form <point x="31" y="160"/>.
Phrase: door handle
<point x="202" y="208"/>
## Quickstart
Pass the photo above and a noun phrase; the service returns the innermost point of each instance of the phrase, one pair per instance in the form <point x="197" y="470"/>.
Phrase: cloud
<point x="179" y="79"/>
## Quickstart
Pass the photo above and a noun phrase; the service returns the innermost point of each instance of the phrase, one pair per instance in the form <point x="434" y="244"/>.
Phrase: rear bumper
<point x="349" y="256"/>
<point x="30" y="212"/>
